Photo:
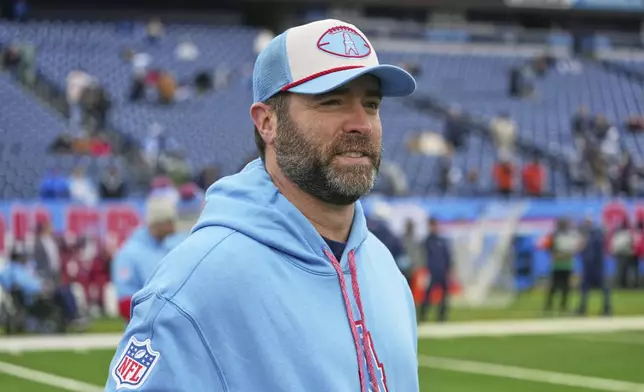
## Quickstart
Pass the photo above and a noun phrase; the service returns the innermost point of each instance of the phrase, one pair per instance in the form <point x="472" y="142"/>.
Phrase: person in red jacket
<point x="534" y="177"/>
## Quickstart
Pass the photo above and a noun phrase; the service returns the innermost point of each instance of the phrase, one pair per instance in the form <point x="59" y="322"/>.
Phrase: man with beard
<point x="280" y="286"/>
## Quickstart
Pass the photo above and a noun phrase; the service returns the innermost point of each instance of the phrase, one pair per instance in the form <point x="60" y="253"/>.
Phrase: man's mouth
<point x="353" y="154"/>
<point x="354" y="157"/>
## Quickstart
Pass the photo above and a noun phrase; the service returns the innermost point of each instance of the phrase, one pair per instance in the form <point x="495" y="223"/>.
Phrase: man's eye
<point x="373" y="105"/>
<point x="332" y="102"/>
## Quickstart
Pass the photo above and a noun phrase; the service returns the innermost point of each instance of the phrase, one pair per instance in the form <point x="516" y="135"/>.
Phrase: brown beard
<point x="312" y="168"/>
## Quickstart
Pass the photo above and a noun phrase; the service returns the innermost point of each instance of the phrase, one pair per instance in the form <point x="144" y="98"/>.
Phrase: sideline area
<point x="83" y="342"/>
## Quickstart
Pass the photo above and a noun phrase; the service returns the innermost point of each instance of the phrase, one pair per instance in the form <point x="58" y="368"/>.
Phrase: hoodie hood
<point x="249" y="202"/>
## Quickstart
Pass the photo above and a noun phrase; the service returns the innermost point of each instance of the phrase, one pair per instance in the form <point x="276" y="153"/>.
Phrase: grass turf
<point x="615" y="356"/>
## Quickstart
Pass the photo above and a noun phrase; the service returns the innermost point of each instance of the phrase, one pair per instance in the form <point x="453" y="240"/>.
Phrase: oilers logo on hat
<point x="321" y="56"/>
<point x="344" y="41"/>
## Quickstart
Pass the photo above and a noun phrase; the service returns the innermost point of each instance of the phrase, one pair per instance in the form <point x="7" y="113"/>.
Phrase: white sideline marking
<point x="530" y="327"/>
<point x="67" y="384"/>
<point x="525" y="374"/>
<point x="73" y="342"/>
<point x="620" y="339"/>
<point x="80" y="342"/>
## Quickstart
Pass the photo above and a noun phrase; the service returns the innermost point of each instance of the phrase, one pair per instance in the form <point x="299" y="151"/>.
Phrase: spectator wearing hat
<point x="145" y="248"/>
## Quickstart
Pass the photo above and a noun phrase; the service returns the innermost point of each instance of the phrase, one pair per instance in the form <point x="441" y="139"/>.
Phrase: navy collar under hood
<point x="250" y="203"/>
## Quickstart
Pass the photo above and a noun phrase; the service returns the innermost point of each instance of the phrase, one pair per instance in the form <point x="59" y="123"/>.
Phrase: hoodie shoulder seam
<point x="198" y="263"/>
<point x="200" y="334"/>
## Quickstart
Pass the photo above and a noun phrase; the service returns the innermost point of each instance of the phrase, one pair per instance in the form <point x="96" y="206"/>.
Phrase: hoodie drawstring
<point x="354" y="331"/>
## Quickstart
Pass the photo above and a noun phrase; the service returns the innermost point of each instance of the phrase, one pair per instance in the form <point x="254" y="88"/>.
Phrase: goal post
<point x="483" y="256"/>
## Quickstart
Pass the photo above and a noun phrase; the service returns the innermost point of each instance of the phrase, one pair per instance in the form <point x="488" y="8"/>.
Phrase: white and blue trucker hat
<point x="320" y="56"/>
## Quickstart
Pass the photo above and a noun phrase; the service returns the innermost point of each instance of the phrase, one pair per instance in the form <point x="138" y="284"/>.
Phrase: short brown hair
<point x="278" y="104"/>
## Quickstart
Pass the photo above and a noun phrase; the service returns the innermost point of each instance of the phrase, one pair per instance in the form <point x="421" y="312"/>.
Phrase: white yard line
<point x="67" y="384"/>
<point x="59" y="343"/>
<point x="525" y="374"/>
<point x="78" y="342"/>
<point x="449" y="330"/>
<point x="625" y="339"/>
<point x="530" y="327"/>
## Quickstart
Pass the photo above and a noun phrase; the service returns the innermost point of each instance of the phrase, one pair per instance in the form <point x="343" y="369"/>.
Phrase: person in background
<point x="20" y="275"/>
<point x="622" y="247"/>
<point x="77" y="81"/>
<point x="378" y="226"/>
<point x="413" y="248"/>
<point x="624" y="176"/>
<point x="191" y="201"/>
<point x="54" y="186"/>
<point x="47" y="253"/>
<point x="439" y="264"/>
<point x="515" y="82"/>
<point x="35" y="297"/>
<point x="163" y="186"/>
<point x="639" y="253"/>
<point x="166" y="87"/>
<point x="455" y="131"/>
<point x="154" y="30"/>
<point x="208" y="176"/>
<point x="504" y="173"/>
<point x="10" y="58"/>
<point x="81" y="188"/>
<point x="186" y="50"/>
<point x="503" y="130"/>
<point x="564" y="244"/>
<point x="593" y="273"/>
<point x="112" y="184"/>
<point x="140" y="254"/>
<point x="534" y="178"/>
<point x="582" y="124"/>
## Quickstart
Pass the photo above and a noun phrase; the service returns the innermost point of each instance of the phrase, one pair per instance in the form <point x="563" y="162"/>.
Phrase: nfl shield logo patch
<point x="135" y="365"/>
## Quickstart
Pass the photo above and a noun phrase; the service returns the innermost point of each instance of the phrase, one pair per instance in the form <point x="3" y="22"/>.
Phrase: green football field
<point x="611" y="357"/>
<point x="588" y="361"/>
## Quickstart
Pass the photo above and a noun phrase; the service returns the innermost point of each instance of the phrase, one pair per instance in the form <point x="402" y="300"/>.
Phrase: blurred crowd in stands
<point x="52" y="282"/>
<point x="60" y="280"/>
<point x="89" y="107"/>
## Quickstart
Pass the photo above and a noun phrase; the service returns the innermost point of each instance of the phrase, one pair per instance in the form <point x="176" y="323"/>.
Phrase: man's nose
<point x="358" y="120"/>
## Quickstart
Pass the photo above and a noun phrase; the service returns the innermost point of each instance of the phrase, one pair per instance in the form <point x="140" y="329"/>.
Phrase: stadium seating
<point x="203" y="125"/>
<point x="26" y="129"/>
<point x="214" y="128"/>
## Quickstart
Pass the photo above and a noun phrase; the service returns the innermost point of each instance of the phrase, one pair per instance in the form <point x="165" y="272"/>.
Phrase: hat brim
<point x="394" y="81"/>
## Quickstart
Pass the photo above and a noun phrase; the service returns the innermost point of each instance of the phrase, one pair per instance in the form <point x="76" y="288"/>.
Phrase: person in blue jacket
<point x="380" y="229"/>
<point x="20" y="274"/>
<point x="593" y="275"/>
<point x="35" y="299"/>
<point x="143" y="250"/>
<point x="280" y="286"/>
<point x="439" y="264"/>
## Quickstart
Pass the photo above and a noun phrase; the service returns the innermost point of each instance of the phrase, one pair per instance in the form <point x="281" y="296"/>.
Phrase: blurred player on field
<point x="563" y="245"/>
<point x="439" y="264"/>
<point x="593" y="270"/>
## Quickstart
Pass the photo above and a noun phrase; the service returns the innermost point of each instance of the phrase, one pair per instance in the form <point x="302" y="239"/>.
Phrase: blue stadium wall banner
<point x="115" y="221"/>
<point x="615" y="5"/>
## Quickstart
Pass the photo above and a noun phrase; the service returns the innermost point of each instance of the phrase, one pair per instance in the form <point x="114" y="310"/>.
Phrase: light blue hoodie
<point x="137" y="258"/>
<point x="251" y="302"/>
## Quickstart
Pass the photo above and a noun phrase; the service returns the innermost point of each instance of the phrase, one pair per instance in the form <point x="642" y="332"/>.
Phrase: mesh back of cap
<point x="271" y="71"/>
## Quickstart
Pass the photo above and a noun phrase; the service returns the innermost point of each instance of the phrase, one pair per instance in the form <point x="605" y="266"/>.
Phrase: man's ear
<point x="265" y="121"/>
